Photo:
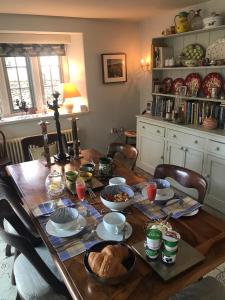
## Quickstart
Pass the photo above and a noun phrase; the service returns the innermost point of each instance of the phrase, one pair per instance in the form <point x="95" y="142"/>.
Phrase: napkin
<point x="181" y="207"/>
<point x="48" y="207"/>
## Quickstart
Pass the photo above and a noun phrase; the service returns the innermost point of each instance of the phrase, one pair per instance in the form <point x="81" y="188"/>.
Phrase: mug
<point x="114" y="222"/>
<point x="105" y="166"/>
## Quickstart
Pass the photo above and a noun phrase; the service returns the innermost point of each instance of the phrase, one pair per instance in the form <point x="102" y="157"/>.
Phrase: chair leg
<point x="13" y="280"/>
<point x="18" y="296"/>
<point x="8" y="252"/>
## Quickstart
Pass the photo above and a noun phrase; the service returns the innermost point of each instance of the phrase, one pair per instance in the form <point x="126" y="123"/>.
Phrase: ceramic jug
<point x="181" y="22"/>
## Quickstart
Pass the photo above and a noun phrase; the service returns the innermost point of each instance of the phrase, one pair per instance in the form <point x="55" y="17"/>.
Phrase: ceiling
<point x="103" y="9"/>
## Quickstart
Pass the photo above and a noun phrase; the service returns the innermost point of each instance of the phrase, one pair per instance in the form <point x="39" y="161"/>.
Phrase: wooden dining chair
<point x="126" y="154"/>
<point x="184" y="177"/>
<point x="33" y="146"/>
<point x="4" y="160"/>
<point x="35" y="273"/>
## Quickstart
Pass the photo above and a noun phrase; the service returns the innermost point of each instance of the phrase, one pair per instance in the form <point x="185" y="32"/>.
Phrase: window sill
<point x="36" y="117"/>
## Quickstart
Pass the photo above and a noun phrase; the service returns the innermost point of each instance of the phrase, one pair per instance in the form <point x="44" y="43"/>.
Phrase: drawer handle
<point x="181" y="148"/>
<point x="162" y="157"/>
<point x="217" y="148"/>
<point x="207" y="176"/>
<point x="143" y="127"/>
<point x="174" y="136"/>
<point x="196" y="142"/>
<point x="158" y="131"/>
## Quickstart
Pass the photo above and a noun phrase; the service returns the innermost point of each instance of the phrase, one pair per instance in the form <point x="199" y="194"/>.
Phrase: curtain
<point x="31" y="50"/>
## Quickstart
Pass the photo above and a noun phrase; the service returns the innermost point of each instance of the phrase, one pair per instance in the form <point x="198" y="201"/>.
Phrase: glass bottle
<point x="54" y="184"/>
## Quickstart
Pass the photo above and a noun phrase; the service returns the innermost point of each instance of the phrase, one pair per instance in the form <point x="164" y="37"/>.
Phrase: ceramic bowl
<point x="113" y="190"/>
<point x="117" y="180"/>
<point x="87" y="168"/>
<point x="163" y="187"/>
<point x="71" y="175"/>
<point x="64" y="218"/>
<point x="129" y="263"/>
<point x="86" y="176"/>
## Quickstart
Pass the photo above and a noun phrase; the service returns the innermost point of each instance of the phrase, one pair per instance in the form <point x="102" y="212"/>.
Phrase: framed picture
<point x="182" y="90"/>
<point x="114" y="67"/>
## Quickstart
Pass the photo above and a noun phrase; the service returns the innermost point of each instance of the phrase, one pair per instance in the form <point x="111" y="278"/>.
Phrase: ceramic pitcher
<point x="181" y="22"/>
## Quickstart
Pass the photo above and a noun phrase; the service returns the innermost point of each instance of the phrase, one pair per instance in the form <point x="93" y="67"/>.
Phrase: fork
<point x="91" y="192"/>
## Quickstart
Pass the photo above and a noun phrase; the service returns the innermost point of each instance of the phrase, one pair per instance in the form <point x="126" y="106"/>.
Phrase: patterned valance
<point x="31" y="49"/>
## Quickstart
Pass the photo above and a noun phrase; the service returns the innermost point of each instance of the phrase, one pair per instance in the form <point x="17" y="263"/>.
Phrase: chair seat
<point x="29" y="282"/>
<point x="206" y="289"/>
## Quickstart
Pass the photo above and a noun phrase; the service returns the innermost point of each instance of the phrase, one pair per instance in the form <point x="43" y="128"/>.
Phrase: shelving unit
<point x="178" y="42"/>
<point x="190" y="98"/>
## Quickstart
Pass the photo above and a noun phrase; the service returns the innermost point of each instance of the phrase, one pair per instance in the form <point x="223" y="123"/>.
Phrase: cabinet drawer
<point x="153" y="129"/>
<point x="187" y="140"/>
<point x="216" y="147"/>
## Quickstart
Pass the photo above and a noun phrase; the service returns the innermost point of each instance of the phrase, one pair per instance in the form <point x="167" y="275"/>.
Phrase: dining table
<point x="203" y="231"/>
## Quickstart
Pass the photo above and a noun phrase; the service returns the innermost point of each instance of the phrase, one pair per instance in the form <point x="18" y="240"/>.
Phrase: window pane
<point x="18" y="82"/>
<point x="12" y="74"/>
<point x="21" y="61"/>
<point x="50" y="74"/>
<point x="10" y="61"/>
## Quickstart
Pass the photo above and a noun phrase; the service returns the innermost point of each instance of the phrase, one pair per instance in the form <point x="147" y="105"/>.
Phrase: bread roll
<point x="119" y="252"/>
<point x="111" y="268"/>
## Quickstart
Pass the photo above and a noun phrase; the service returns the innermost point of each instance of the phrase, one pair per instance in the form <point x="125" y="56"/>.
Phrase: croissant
<point x="95" y="260"/>
<point x="111" y="268"/>
<point x="119" y="252"/>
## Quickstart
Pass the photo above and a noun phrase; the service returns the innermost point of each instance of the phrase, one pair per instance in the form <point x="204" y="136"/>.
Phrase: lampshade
<point x="70" y="90"/>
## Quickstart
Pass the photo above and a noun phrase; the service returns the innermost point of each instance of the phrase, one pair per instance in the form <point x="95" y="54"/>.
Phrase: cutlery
<point x="91" y="192"/>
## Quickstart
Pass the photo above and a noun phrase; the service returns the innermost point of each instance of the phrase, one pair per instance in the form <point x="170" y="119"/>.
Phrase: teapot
<point x="181" y="22"/>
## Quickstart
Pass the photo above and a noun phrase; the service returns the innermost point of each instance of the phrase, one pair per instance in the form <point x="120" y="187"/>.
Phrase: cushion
<point x="38" y="152"/>
<point x="29" y="282"/>
<point x="206" y="289"/>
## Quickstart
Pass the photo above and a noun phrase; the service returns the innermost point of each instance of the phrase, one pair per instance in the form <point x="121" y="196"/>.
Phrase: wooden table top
<point x="203" y="231"/>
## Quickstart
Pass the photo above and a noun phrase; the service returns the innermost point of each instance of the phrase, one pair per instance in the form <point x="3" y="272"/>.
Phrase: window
<point x="50" y="71"/>
<point x="18" y="81"/>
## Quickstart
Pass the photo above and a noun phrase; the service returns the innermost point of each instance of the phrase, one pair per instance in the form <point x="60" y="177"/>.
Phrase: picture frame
<point x="114" y="67"/>
<point x="183" y="90"/>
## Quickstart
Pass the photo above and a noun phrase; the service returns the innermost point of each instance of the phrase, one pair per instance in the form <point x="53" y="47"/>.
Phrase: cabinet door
<point x="194" y="160"/>
<point x="151" y="149"/>
<point x="216" y="189"/>
<point x="175" y="154"/>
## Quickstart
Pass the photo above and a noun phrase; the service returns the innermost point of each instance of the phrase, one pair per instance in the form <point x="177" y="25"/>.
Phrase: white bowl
<point x="64" y="218"/>
<point x="117" y="180"/>
<point x="115" y="189"/>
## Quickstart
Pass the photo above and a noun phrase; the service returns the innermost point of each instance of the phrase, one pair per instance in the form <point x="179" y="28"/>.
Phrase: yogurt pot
<point x="152" y="254"/>
<point x="171" y="239"/>
<point x="154" y="238"/>
<point x="169" y="257"/>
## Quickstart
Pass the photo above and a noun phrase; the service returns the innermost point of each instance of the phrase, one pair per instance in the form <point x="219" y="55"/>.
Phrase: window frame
<point x="61" y="74"/>
<point x="30" y="80"/>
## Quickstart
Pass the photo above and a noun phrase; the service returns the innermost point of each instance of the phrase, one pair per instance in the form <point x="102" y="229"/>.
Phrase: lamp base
<point x="61" y="157"/>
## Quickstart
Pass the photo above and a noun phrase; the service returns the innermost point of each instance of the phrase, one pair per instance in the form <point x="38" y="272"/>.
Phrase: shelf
<point x="189" y="98"/>
<point x="222" y="27"/>
<point x="188" y="68"/>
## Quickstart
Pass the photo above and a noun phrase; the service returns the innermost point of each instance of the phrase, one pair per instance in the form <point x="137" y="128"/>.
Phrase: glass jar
<point x="105" y="166"/>
<point x="54" y="184"/>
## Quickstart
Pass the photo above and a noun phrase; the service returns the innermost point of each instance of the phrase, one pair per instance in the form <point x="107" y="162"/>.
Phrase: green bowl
<point x="71" y="175"/>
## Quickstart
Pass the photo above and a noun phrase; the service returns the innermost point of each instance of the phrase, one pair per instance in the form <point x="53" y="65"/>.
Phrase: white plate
<point x="193" y="213"/>
<point x="169" y="195"/>
<point x="80" y="225"/>
<point x="107" y="236"/>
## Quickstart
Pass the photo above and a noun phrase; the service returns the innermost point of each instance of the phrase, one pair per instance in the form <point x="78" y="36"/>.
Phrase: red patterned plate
<point x="167" y="85"/>
<point x="176" y="84"/>
<point x="193" y="83"/>
<point x="211" y="80"/>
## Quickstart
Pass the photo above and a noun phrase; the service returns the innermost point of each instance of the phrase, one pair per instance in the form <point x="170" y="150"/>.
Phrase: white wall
<point x="112" y="105"/>
<point x="154" y="27"/>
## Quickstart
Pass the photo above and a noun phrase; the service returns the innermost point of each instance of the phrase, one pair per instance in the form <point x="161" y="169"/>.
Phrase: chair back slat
<point x="185" y="177"/>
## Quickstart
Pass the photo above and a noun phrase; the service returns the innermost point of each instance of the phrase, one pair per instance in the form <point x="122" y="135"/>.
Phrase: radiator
<point x="15" y="151"/>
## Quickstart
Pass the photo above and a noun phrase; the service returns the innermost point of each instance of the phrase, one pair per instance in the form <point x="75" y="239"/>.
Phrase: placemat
<point x="187" y="257"/>
<point x="92" y="217"/>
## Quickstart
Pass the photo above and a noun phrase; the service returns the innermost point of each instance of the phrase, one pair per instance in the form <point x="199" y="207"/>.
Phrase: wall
<point x="112" y="105"/>
<point x="154" y="27"/>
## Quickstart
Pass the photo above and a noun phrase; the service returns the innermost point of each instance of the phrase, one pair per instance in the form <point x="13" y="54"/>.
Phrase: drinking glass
<point x="80" y="189"/>
<point x="151" y="190"/>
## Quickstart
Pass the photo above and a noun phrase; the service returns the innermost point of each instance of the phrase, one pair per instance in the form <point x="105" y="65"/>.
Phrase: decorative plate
<point x="211" y="80"/>
<point x="193" y="83"/>
<point x="216" y="51"/>
<point x="193" y="51"/>
<point x="167" y="85"/>
<point x="177" y="83"/>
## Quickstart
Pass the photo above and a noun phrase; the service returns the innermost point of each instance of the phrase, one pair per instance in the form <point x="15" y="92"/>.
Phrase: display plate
<point x="212" y="80"/>
<point x="193" y="83"/>
<point x="176" y="84"/>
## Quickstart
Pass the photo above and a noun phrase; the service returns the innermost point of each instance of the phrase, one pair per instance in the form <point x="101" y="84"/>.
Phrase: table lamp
<point x="70" y="91"/>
